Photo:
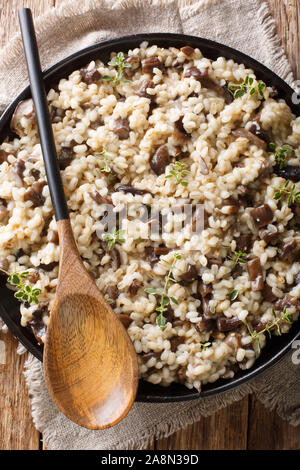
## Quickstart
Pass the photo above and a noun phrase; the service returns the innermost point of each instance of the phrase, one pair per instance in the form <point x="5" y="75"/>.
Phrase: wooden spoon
<point x="90" y="364"/>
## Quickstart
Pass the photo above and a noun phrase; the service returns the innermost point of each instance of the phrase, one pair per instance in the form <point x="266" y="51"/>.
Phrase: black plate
<point x="9" y="306"/>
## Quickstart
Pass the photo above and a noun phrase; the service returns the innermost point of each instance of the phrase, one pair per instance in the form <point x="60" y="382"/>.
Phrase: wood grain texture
<point x="17" y="431"/>
<point x="90" y="364"/>
<point x="264" y="429"/>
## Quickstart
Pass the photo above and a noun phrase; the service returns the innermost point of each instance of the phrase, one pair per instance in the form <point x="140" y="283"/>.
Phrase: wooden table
<point x="244" y="425"/>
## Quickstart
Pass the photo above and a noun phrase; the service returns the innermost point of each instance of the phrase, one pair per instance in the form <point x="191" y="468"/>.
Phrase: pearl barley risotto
<point x="151" y="131"/>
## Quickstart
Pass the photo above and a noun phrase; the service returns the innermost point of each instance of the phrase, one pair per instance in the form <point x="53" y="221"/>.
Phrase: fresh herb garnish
<point x="238" y="257"/>
<point x="164" y="298"/>
<point x="119" y="63"/>
<point x="178" y="172"/>
<point x="106" y="168"/>
<point x="108" y="299"/>
<point x="284" y="316"/>
<point x="239" y="89"/>
<point x="290" y="192"/>
<point x="24" y="291"/>
<point x="204" y="346"/>
<point x="234" y="295"/>
<point x="281" y="154"/>
<point x="114" y="237"/>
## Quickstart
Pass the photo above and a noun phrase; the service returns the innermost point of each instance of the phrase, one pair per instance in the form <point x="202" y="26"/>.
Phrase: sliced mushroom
<point x="3" y="156"/>
<point x="175" y="342"/>
<point x="160" y="159"/>
<point x="18" y="169"/>
<point x="134" y="287"/>
<point x="203" y="290"/>
<point x="65" y="157"/>
<point x="131" y="189"/>
<point x="203" y="167"/>
<point x="161" y="250"/>
<point x="267" y="293"/>
<point x="48" y="267"/>
<point x="121" y="128"/>
<point x="286" y="249"/>
<point x="243" y="243"/>
<point x="150" y="63"/>
<point x="190" y="275"/>
<point x="262" y="215"/>
<point x="255" y="274"/>
<point x="187" y="50"/>
<point x="180" y="127"/>
<point x="230" y="206"/>
<point x="228" y="324"/>
<point x="205" y="324"/>
<point x="24" y="109"/>
<point x="141" y="89"/>
<point x="253" y="139"/>
<point x="90" y="76"/>
<point x="34" y="194"/>
<point x="99" y="199"/>
<point x="268" y="235"/>
<point x="116" y="258"/>
<point x="288" y="301"/>
<point x="146" y="356"/>
<point x="113" y="293"/>
<point x="151" y="256"/>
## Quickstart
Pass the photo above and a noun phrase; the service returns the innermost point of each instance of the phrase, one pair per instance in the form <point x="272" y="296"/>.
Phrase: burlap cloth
<point x="243" y="24"/>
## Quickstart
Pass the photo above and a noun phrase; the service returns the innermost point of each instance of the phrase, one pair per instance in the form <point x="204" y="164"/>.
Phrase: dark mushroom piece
<point x="121" y="128"/>
<point x="175" y="342"/>
<point x="18" y="169"/>
<point x="232" y="205"/>
<point x="286" y="249"/>
<point x="253" y="139"/>
<point x="202" y="76"/>
<point x="288" y="301"/>
<point x="112" y="292"/>
<point x="161" y="250"/>
<point x="33" y="277"/>
<point x="99" y="199"/>
<point x="205" y="324"/>
<point x="180" y="127"/>
<point x="3" y="156"/>
<point x="289" y="172"/>
<point x="146" y="356"/>
<point x="169" y="314"/>
<point x="34" y="194"/>
<point x="90" y="76"/>
<point x="187" y="50"/>
<point x="228" y="324"/>
<point x="255" y="274"/>
<point x="134" y="287"/>
<point x="227" y="95"/>
<point x="65" y="157"/>
<point x="160" y="159"/>
<point x="48" y="267"/>
<point x="257" y="130"/>
<point x="37" y="324"/>
<point x="267" y="294"/>
<point x="268" y="235"/>
<point x="203" y="290"/>
<point x="262" y="215"/>
<point x="150" y="63"/>
<point x="141" y="89"/>
<point x="243" y="243"/>
<point x="132" y="190"/>
<point x="190" y="275"/>
<point x="116" y="258"/>
<point x="151" y="256"/>
<point x="24" y="109"/>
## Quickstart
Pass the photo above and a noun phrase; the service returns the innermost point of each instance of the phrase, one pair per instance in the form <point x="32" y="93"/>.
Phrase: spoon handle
<point x="42" y="114"/>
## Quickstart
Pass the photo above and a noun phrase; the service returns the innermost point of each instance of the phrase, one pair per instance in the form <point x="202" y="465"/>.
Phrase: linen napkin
<point x="247" y="26"/>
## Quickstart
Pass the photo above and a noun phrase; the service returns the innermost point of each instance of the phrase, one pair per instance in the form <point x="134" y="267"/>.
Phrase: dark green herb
<point x="178" y="172"/>
<point x="289" y="192"/>
<point x="24" y="291"/>
<point x="284" y="316"/>
<point x="281" y="154"/>
<point x="234" y="295"/>
<point x="204" y="346"/>
<point x="119" y="63"/>
<point x="164" y="298"/>
<point x="114" y="237"/>
<point x="238" y="90"/>
<point x="238" y="257"/>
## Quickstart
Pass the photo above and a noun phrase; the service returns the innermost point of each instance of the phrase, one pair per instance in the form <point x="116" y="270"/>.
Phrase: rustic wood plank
<point x="269" y="432"/>
<point x="287" y="17"/>
<point x="227" y="429"/>
<point x="9" y="15"/>
<point x="17" y="431"/>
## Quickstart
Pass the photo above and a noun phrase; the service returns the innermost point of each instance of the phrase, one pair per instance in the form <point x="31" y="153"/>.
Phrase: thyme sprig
<point x="119" y="63"/>
<point x="165" y="299"/>
<point x="24" y="291"/>
<point x="284" y="316"/>
<point x="115" y="236"/>
<point x="289" y="192"/>
<point x="234" y="295"/>
<point x="239" y="89"/>
<point x="281" y="154"/>
<point x="238" y="257"/>
<point x="178" y="172"/>
<point x="105" y="162"/>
